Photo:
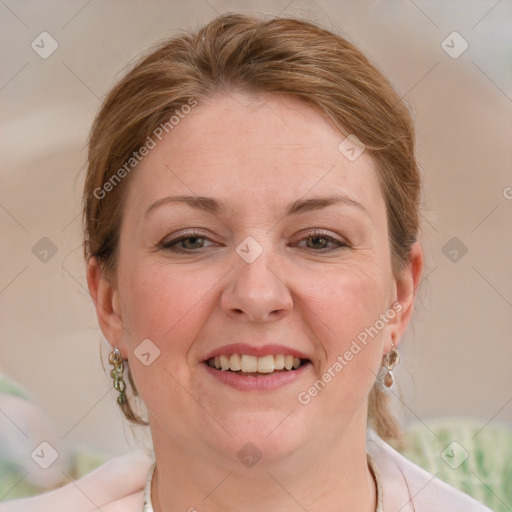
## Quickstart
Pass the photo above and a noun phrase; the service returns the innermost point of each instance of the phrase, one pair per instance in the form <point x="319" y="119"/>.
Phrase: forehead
<point x="242" y="148"/>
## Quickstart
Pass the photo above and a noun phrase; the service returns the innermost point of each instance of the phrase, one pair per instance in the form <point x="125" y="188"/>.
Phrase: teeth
<point x="266" y="364"/>
<point x="249" y="363"/>
<point x="253" y="364"/>
<point x="234" y="363"/>
<point x="224" y="362"/>
<point x="279" y="362"/>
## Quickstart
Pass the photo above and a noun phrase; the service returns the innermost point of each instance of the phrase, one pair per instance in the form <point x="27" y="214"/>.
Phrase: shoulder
<point x="114" y="487"/>
<point x="407" y="487"/>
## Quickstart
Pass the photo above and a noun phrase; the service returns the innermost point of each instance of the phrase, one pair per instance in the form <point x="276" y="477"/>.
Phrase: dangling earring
<point x="116" y="373"/>
<point x="389" y="361"/>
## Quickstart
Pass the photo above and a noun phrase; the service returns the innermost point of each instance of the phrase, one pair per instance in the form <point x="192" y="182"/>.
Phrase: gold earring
<point x="389" y="361"/>
<point x="116" y="373"/>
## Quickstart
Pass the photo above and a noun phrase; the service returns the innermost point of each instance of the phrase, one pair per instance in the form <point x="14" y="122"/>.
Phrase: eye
<point x="319" y="240"/>
<point x="191" y="241"/>
<point x="187" y="242"/>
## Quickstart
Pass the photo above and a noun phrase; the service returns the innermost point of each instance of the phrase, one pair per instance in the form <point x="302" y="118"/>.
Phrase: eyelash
<point x="172" y="244"/>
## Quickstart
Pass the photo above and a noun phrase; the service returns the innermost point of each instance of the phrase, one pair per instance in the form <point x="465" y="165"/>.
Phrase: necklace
<point x="148" y="506"/>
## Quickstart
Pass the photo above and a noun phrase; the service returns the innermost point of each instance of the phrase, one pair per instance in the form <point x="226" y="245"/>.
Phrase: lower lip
<point x="263" y="383"/>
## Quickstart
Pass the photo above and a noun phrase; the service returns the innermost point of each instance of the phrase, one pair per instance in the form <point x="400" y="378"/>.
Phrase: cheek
<point x="351" y="305"/>
<point x="161" y="306"/>
<point x="164" y="305"/>
<point x="347" y="299"/>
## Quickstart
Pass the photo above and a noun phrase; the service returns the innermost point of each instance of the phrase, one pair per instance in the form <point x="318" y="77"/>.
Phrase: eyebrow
<point x="211" y="205"/>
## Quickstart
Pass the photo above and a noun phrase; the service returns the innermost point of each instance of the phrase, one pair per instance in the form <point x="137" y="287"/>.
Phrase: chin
<point x="262" y="438"/>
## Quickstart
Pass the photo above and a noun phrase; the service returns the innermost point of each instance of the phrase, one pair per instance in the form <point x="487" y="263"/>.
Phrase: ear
<point x="406" y="287"/>
<point x="106" y="302"/>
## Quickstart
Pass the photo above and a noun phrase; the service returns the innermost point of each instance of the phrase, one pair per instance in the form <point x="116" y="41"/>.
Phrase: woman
<point x="251" y="220"/>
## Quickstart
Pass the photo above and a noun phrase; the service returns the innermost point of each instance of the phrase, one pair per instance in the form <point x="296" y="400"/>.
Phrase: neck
<point x="324" y="477"/>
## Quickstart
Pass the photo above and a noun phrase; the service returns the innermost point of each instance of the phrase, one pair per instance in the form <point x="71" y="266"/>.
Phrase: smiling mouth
<point x="247" y="365"/>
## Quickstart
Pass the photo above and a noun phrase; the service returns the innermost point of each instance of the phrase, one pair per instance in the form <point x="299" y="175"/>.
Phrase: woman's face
<point x="248" y="231"/>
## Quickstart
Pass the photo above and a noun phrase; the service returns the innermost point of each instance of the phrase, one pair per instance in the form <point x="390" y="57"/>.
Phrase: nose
<point x="256" y="292"/>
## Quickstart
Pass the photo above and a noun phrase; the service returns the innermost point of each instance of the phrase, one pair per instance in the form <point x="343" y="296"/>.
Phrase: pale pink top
<point x="118" y="486"/>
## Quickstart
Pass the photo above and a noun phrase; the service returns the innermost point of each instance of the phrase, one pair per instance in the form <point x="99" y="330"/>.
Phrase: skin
<point x="257" y="155"/>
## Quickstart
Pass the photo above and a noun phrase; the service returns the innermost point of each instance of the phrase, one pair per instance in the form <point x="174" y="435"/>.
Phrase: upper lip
<point x="252" y="350"/>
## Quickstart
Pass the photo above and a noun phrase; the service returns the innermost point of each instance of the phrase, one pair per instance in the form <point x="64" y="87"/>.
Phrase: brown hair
<point x="275" y="56"/>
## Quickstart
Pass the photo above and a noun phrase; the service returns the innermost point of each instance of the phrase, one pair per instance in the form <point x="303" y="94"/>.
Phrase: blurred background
<point x="451" y="61"/>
